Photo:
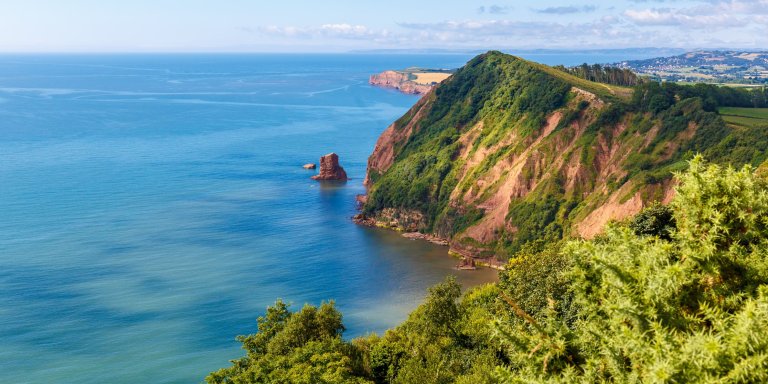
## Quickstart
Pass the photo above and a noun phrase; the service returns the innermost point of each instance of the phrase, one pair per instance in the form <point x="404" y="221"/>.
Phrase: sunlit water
<point x="153" y="206"/>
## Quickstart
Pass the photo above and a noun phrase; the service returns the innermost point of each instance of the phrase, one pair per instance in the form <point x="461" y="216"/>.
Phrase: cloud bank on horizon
<point x="305" y="25"/>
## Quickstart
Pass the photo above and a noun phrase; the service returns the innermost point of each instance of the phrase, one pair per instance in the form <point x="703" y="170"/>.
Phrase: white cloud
<point x="567" y="10"/>
<point x="671" y="17"/>
<point x="334" y="31"/>
<point x="715" y="15"/>
<point x="715" y="23"/>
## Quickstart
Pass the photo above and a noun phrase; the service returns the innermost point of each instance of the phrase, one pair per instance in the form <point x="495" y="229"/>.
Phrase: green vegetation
<point x="603" y="74"/>
<point x="295" y="347"/>
<point x="675" y="295"/>
<point x="693" y="309"/>
<point x="745" y="117"/>
<point x="656" y="220"/>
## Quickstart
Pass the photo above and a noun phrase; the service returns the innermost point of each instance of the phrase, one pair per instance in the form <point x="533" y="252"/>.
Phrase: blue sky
<point x="317" y="26"/>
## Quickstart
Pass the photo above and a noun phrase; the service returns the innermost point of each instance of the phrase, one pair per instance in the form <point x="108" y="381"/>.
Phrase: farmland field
<point x="745" y="117"/>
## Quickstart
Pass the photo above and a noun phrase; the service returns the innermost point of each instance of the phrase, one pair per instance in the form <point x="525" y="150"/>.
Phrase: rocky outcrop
<point x="309" y="166"/>
<point x="330" y="168"/>
<point x="466" y="264"/>
<point x="399" y="81"/>
<point x="423" y="236"/>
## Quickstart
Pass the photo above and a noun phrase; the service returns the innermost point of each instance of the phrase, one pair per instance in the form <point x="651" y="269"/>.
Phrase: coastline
<point x="466" y="257"/>
<point x="412" y="81"/>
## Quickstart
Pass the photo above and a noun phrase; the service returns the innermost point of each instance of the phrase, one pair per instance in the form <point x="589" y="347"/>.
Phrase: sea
<point x="153" y="205"/>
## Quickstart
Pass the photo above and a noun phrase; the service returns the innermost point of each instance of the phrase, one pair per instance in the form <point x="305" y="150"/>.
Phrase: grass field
<point x="745" y="117"/>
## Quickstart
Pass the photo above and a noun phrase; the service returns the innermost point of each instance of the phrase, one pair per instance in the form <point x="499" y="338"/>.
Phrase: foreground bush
<point x="693" y="309"/>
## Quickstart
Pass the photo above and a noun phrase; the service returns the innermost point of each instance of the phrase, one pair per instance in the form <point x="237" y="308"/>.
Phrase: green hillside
<point x="507" y="151"/>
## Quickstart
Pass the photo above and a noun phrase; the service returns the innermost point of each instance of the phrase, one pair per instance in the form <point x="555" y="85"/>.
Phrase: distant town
<point x="723" y="67"/>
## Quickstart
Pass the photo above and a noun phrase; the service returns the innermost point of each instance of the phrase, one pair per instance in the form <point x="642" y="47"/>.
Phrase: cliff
<point x="400" y="81"/>
<point x="507" y="151"/>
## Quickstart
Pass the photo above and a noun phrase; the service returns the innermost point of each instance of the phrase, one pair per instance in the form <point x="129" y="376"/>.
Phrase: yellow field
<point x="430" y="77"/>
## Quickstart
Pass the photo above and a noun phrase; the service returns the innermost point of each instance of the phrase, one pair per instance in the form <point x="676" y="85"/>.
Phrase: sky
<point x="344" y="25"/>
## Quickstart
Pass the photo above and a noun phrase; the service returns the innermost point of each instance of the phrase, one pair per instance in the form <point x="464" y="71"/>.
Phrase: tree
<point x="304" y="347"/>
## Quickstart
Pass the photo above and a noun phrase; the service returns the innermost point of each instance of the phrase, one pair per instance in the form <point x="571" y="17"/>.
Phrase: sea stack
<point x="330" y="168"/>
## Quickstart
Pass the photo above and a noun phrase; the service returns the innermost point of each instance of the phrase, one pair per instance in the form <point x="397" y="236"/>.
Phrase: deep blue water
<point x="152" y="206"/>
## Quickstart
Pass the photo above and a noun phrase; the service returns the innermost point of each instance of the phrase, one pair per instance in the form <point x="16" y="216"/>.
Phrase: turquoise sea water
<point x="152" y="206"/>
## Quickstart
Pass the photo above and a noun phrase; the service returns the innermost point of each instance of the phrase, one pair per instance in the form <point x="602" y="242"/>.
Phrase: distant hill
<point x="734" y="67"/>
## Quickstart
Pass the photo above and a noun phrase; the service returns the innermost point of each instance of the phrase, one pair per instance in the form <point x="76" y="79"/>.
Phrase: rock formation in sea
<point x="330" y="168"/>
<point x="309" y="166"/>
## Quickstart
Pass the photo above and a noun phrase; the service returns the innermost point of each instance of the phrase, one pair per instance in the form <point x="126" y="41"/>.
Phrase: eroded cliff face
<point x="396" y="134"/>
<point x="512" y="168"/>
<point x="492" y="177"/>
<point x="399" y="81"/>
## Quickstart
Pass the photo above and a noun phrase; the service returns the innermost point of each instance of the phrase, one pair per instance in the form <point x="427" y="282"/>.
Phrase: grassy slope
<point x="606" y="91"/>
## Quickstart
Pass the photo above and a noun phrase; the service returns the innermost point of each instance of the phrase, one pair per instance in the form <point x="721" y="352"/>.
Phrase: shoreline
<point x="467" y="259"/>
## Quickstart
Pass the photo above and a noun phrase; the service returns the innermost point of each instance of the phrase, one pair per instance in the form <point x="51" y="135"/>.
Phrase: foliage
<point x="534" y="277"/>
<point x="693" y="309"/>
<point x="656" y="97"/>
<point x="445" y="340"/>
<point x="603" y="74"/>
<point x="535" y="219"/>
<point x="300" y="347"/>
<point x="656" y="220"/>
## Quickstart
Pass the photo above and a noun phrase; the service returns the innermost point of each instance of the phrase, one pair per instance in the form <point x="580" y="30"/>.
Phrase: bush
<point x="691" y="310"/>
<point x="656" y="220"/>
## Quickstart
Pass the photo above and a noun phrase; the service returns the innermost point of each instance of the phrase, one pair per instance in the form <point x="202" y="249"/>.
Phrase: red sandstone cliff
<point x="399" y="81"/>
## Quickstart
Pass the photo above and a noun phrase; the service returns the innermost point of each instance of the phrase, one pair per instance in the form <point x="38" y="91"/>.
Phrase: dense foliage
<point x="693" y="309"/>
<point x="656" y="220"/>
<point x="655" y="97"/>
<point x="676" y="295"/>
<point x="294" y="347"/>
<point x="603" y="74"/>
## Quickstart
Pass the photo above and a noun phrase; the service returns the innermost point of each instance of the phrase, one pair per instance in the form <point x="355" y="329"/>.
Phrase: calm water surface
<point x="153" y="206"/>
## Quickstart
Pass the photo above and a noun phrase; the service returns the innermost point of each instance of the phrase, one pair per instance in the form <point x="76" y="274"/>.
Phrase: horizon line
<point x="379" y="51"/>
